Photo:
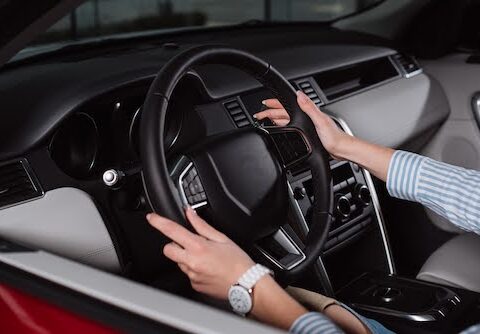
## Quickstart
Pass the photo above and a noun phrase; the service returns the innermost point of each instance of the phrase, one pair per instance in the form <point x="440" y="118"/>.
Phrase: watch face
<point x="240" y="299"/>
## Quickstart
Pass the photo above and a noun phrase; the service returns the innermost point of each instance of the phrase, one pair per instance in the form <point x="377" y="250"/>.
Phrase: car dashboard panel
<point x="90" y="126"/>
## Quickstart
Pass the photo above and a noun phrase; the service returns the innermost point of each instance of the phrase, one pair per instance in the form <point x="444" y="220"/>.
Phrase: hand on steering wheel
<point x="239" y="178"/>
<point x="210" y="259"/>
<point x="330" y="135"/>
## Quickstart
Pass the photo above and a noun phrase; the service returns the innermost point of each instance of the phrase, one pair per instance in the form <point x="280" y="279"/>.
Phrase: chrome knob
<point x="111" y="177"/>
<point x="363" y="194"/>
<point x="343" y="206"/>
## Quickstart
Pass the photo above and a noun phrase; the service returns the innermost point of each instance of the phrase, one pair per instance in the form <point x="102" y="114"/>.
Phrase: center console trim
<point x="375" y="202"/>
<point x="320" y="267"/>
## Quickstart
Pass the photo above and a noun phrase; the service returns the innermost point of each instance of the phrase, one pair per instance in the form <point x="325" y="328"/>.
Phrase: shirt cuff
<point x="402" y="175"/>
<point x="312" y="323"/>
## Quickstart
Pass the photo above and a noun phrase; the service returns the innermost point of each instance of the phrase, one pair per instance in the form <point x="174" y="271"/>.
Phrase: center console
<point x="357" y="242"/>
<point x="357" y="267"/>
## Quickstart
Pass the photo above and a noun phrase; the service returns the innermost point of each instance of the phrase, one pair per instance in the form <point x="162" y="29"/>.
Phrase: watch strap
<point x="253" y="275"/>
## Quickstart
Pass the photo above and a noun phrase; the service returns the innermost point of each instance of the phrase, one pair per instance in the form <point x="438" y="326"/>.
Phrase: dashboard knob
<point x="363" y="194"/>
<point x="299" y="193"/>
<point x="112" y="177"/>
<point x="343" y="206"/>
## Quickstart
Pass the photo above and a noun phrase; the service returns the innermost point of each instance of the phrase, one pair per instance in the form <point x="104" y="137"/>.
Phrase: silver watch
<point x="240" y="294"/>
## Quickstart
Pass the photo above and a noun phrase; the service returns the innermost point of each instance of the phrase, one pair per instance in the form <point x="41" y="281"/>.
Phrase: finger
<point x="272" y="103"/>
<point x="175" y="253"/>
<point x="203" y="228"/>
<point x="272" y="114"/>
<point x="282" y="122"/>
<point x="172" y="230"/>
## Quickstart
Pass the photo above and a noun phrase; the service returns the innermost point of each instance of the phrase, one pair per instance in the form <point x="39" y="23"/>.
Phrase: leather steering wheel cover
<point x="158" y="185"/>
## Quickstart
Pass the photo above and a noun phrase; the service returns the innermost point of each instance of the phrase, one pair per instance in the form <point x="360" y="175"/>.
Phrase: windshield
<point x="98" y="18"/>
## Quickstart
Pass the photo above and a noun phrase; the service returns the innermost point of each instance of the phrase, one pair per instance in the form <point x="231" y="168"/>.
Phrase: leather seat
<point x="456" y="263"/>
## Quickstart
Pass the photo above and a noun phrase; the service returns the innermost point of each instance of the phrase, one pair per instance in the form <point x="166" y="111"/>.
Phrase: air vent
<point x="306" y="86"/>
<point x="354" y="78"/>
<point x="407" y="64"/>
<point x="16" y="184"/>
<point x="237" y="113"/>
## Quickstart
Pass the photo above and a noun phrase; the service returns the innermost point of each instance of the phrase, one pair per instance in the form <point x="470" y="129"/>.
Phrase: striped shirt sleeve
<point x="314" y="323"/>
<point x="475" y="329"/>
<point x="452" y="192"/>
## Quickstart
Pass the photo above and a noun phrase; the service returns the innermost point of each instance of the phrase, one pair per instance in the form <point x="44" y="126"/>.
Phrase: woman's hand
<point x="332" y="138"/>
<point x="214" y="263"/>
<point x="339" y="144"/>
<point x="210" y="259"/>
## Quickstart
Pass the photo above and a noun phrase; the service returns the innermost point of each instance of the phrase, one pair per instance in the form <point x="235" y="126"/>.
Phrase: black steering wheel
<point x="240" y="176"/>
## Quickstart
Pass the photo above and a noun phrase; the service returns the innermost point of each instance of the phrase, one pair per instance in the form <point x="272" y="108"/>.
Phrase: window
<point x="96" y="18"/>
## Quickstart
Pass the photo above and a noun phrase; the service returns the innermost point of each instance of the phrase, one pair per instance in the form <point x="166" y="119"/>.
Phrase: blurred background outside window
<point x="96" y="18"/>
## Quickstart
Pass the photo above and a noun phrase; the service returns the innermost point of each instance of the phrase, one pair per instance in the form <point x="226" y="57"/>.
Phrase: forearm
<point x="272" y="305"/>
<point x="374" y="158"/>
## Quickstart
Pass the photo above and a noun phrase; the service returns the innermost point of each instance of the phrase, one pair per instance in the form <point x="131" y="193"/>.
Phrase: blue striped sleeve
<point x="402" y="176"/>
<point x="475" y="329"/>
<point x="452" y="192"/>
<point x="314" y="323"/>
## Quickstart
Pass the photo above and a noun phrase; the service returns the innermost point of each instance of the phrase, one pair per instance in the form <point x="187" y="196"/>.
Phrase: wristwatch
<point x="240" y="294"/>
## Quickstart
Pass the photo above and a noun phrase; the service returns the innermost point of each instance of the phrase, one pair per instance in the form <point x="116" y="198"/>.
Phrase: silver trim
<point x="409" y="75"/>
<point x="182" y="192"/>
<point x="375" y="201"/>
<point x="110" y="177"/>
<point x="476" y="107"/>
<point x="402" y="70"/>
<point x="288" y="244"/>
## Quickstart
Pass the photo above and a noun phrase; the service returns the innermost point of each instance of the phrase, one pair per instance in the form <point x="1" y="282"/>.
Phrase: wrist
<point x="344" y="147"/>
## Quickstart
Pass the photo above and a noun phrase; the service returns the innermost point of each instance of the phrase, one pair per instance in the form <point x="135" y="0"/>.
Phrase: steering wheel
<point x="240" y="176"/>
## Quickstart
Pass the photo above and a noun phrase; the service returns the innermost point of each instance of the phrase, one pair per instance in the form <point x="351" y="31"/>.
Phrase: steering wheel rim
<point x="159" y="187"/>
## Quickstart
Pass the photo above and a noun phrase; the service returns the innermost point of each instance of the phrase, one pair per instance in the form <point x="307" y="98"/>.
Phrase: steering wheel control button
<point x="291" y="146"/>
<point x="192" y="187"/>
<point x="112" y="177"/>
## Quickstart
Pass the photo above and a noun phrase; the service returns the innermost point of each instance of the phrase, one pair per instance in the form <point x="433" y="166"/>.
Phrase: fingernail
<point x="264" y="102"/>
<point x="254" y="116"/>
<point x="189" y="208"/>
<point x="301" y="96"/>
<point x="149" y="215"/>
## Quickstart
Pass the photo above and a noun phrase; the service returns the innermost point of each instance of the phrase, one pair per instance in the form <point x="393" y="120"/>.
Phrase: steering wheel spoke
<point x="187" y="181"/>
<point x="291" y="144"/>
<point x="281" y="249"/>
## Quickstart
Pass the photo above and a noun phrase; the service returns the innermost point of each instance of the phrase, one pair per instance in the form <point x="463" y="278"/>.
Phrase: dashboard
<point x="79" y="117"/>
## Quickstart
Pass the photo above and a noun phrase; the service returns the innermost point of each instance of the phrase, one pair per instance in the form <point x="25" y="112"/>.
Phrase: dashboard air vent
<point x="237" y="113"/>
<point x="306" y="86"/>
<point x="16" y="184"/>
<point x="407" y="64"/>
<point x="351" y="79"/>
